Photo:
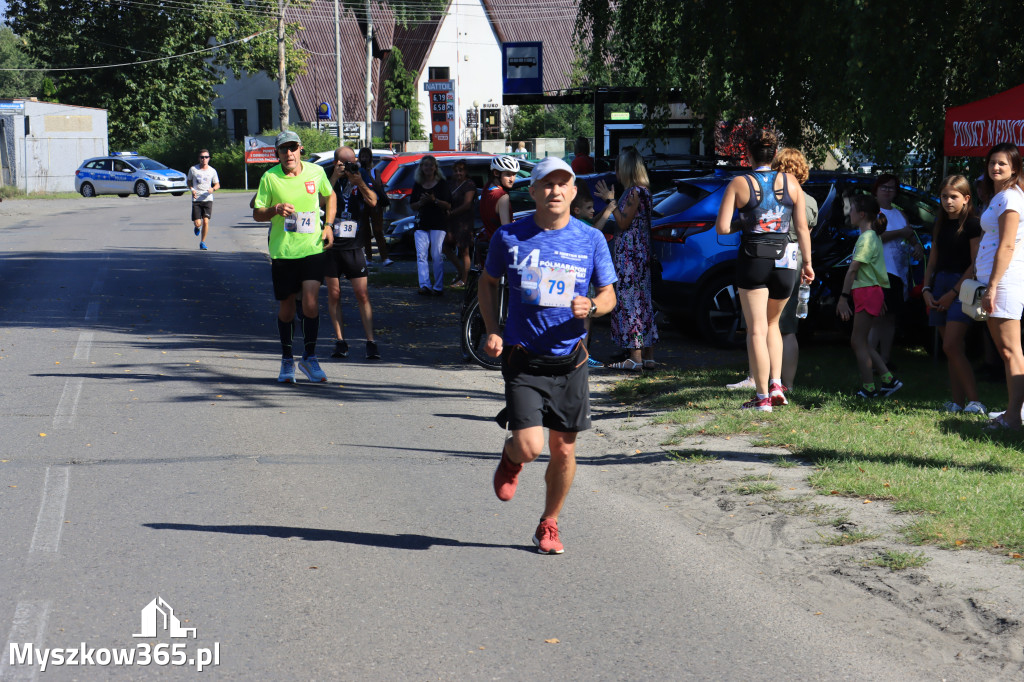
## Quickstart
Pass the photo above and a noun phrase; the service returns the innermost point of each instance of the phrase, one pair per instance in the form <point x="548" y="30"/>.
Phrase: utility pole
<point x="282" y="77"/>
<point x="369" y="75"/>
<point x="337" y="72"/>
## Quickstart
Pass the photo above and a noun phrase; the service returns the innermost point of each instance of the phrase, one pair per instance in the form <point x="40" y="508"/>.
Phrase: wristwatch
<point x="593" y="308"/>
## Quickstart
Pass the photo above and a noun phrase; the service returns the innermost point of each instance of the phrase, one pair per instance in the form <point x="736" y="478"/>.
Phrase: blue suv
<point x="698" y="265"/>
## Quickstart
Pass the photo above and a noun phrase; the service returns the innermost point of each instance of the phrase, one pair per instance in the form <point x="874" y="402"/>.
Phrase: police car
<point x="124" y="173"/>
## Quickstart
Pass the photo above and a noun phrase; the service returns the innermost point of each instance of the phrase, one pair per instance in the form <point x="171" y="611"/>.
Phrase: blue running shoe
<point x="287" y="375"/>
<point x="202" y="246"/>
<point x="196" y="230"/>
<point x="311" y="368"/>
<point x="594" y="364"/>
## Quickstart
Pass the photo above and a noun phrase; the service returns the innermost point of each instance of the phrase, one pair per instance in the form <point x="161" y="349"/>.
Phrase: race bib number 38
<point x="303" y="223"/>
<point x="548" y="287"/>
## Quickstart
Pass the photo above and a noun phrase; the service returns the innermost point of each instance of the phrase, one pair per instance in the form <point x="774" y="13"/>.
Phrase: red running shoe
<point x="759" y="404"/>
<point x="778" y="395"/>
<point x="546" y="537"/>
<point x="506" y="477"/>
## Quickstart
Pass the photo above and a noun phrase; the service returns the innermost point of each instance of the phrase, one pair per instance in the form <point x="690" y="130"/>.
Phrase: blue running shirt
<point x="523" y="248"/>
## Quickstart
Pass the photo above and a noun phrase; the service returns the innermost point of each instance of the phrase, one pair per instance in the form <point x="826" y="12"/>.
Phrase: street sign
<point x="353" y="131"/>
<point x="323" y="112"/>
<point x="619" y="116"/>
<point x="522" y="69"/>
<point x="260" y="149"/>
<point x="472" y="118"/>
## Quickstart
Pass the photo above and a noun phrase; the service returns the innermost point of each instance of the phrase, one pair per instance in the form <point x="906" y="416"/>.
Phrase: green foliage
<point x="876" y="74"/>
<point x="14" y="55"/>
<point x="400" y="93"/>
<point x="145" y="101"/>
<point x="560" y="120"/>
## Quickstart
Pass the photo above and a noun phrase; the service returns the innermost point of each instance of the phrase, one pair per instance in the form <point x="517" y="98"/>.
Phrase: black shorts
<point x="202" y="209"/>
<point x="894" y="296"/>
<point x="288" y="274"/>
<point x="560" y="402"/>
<point x="761" y="273"/>
<point x="348" y="262"/>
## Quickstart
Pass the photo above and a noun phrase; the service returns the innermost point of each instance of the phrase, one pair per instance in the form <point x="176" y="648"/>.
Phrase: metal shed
<point x="42" y="143"/>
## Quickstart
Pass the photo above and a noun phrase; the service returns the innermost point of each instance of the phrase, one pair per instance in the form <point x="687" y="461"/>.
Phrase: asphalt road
<point x="338" y="531"/>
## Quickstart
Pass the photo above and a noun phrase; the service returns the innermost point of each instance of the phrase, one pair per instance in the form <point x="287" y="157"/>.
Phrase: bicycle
<point x="473" y="334"/>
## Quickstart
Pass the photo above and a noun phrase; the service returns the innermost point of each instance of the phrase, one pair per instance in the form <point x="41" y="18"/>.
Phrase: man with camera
<point x="353" y="186"/>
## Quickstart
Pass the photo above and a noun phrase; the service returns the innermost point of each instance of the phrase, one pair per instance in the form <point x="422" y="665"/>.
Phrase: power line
<point x="145" y="61"/>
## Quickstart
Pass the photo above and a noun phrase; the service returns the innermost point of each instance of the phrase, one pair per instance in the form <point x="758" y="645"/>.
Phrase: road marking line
<point x="68" y="405"/>
<point x="97" y="284"/>
<point x="50" y="522"/>
<point x="92" y="311"/>
<point x="84" y="346"/>
<point x="29" y="626"/>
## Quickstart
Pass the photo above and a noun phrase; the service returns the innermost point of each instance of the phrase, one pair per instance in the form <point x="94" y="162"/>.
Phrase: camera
<point x="352" y="167"/>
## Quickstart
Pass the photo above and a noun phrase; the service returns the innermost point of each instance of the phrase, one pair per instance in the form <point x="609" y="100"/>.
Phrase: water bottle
<point x="803" y="295"/>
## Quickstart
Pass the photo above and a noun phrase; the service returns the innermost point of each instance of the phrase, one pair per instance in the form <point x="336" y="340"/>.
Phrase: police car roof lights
<point x="124" y="154"/>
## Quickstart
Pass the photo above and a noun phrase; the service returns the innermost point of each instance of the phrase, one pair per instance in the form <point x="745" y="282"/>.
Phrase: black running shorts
<point x="761" y="273"/>
<point x="894" y="296"/>
<point x="288" y="274"/>
<point x="560" y="402"/>
<point x="202" y="209"/>
<point x="348" y="262"/>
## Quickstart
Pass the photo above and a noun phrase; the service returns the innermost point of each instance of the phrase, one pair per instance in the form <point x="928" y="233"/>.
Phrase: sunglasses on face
<point x="292" y="147"/>
<point x="206" y="156"/>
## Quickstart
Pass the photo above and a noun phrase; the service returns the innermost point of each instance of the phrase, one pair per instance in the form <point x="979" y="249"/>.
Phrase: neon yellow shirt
<point x="299" y="236"/>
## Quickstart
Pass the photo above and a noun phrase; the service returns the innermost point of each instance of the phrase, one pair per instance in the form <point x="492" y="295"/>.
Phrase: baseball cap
<point x="547" y="166"/>
<point x="285" y="137"/>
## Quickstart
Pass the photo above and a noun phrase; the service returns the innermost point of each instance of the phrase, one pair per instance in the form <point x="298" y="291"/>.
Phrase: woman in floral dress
<point x="633" y="327"/>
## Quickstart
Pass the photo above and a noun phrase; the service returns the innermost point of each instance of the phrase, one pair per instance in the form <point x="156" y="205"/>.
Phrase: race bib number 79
<point x="548" y="287"/>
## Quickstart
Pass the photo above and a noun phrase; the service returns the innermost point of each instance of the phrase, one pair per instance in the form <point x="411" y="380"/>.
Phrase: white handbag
<point x="971" y="292"/>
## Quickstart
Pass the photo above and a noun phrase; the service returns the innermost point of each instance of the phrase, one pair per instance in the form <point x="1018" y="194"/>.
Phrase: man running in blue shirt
<point x="549" y="260"/>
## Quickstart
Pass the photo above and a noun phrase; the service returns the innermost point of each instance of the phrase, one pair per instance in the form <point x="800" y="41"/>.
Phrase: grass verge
<point x="963" y="484"/>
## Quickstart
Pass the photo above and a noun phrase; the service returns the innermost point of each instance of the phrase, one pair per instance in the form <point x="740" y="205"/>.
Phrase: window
<point x="438" y="73"/>
<point x="222" y="119"/>
<point x="102" y="164"/>
<point x="241" y="120"/>
<point x="265" y="114"/>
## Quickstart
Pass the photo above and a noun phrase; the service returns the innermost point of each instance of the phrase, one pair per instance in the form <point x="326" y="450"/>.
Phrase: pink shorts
<point x="868" y="299"/>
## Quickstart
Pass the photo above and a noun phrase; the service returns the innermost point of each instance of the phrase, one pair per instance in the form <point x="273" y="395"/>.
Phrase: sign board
<point x="260" y="149"/>
<point x="619" y="116"/>
<point x="472" y="117"/>
<point x="442" y="113"/>
<point x="522" y="69"/>
<point x="12" y="106"/>
<point x="399" y="125"/>
<point x="323" y="112"/>
<point x="353" y="131"/>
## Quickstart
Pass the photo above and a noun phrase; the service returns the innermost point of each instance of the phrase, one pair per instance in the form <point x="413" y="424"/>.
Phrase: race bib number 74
<point x="303" y="223"/>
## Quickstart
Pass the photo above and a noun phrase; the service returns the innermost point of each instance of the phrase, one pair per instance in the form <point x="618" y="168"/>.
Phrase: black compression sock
<point x="310" y="330"/>
<point x="286" y="330"/>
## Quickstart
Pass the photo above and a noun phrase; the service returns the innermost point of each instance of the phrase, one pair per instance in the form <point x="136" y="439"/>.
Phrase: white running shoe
<point x="950" y="406"/>
<point x="746" y="384"/>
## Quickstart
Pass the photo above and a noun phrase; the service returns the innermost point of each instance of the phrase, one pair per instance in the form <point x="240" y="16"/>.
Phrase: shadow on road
<point x="400" y="541"/>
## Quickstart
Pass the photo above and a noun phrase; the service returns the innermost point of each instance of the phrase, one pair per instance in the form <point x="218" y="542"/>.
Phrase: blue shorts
<point x="944" y="281"/>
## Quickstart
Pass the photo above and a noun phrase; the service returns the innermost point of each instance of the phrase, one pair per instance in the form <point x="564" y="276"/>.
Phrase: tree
<point x="400" y="93"/>
<point x="826" y="74"/>
<point x="167" y="73"/>
<point x="14" y="55"/>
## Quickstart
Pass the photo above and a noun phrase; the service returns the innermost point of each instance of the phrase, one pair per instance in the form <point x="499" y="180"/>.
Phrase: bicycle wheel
<point x="474" y="335"/>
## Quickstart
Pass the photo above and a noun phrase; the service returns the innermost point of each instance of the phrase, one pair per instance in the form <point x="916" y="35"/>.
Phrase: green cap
<point x="286" y="137"/>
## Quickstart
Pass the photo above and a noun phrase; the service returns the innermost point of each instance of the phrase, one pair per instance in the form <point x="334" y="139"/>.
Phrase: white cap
<point x="547" y="166"/>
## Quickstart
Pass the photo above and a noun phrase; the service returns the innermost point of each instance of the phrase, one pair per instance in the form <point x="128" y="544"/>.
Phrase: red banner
<point x="972" y="129"/>
<point x="260" y="150"/>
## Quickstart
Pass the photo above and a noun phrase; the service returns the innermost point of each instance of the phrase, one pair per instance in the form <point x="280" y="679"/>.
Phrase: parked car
<point x="400" y="235"/>
<point x="698" y="265"/>
<point x="328" y="156"/>
<point x="399" y="185"/>
<point x="124" y="173"/>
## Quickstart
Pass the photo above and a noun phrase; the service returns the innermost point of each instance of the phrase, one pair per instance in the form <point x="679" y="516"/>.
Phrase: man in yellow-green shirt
<point x="290" y="197"/>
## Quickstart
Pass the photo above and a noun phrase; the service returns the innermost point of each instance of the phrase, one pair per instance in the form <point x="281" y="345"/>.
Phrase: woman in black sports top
<point x="766" y="265"/>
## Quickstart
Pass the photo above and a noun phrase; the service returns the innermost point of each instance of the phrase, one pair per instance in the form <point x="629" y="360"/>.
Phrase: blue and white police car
<point x="124" y="173"/>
